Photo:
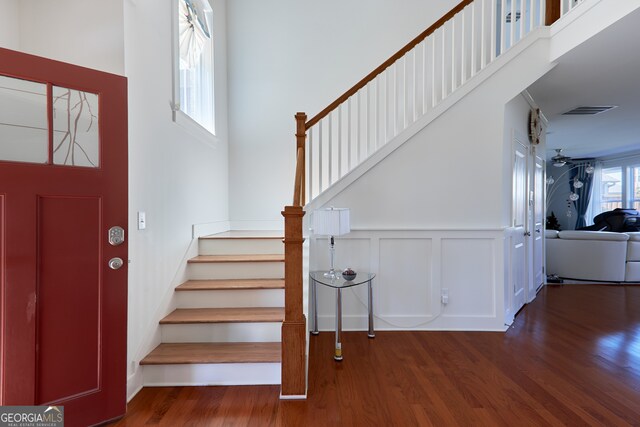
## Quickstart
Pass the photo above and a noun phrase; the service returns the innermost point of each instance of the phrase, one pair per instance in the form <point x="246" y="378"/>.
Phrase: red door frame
<point x="17" y="385"/>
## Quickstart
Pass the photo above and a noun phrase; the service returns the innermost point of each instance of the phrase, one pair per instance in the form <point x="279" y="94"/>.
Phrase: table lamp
<point x="331" y="222"/>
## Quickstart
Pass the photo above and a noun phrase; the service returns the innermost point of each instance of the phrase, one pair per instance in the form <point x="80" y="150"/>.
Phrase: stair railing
<point x="408" y="85"/>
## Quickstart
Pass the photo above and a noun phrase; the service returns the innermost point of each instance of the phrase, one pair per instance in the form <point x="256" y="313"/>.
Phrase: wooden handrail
<point x="299" y="194"/>
<point x="399" y="54"/>
<point x="553" y="12"/>
<point x="297" y="189"/>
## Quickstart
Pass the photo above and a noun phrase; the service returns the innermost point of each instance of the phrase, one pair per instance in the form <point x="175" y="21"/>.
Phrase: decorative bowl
<point x="348" y="274"/>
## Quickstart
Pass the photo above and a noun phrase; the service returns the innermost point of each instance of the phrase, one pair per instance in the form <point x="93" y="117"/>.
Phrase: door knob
<point x="538" y="230"/>
<point x="527" y="233"/>
<point x="115" y="263"/>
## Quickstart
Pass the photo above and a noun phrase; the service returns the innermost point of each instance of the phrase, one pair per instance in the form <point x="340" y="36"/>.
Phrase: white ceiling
<point x="604" y="70"/>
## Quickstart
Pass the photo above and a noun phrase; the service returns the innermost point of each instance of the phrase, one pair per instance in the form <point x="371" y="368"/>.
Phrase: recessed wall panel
<point x="404" y="283"/>
<point x="468" y="274"/>
<point x="68" y="288"/>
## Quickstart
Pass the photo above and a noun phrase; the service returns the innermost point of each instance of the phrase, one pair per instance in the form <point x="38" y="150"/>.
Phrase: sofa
<point x="593" y="255"/>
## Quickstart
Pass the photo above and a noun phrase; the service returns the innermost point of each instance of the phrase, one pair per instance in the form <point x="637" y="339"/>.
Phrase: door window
<point x="24" y="135"/>
<point x="24" y="126"/>
<point x="75" y="128"/>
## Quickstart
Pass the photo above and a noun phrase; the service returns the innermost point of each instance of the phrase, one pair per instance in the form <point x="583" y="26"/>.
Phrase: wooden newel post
<point x="301" y="137"/>
<point x="552" y="12"/>
<point x="294" y="327"/>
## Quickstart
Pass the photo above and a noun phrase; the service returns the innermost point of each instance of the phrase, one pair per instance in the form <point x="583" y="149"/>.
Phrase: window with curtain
<point x="195" y="45"/>
<point x="618" y="185"/>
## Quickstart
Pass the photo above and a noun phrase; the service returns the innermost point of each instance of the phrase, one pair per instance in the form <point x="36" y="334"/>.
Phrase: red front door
<point x="63" y="186"/>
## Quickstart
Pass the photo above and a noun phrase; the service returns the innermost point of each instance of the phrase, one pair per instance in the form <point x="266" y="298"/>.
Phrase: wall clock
<point x="535" y="126"/>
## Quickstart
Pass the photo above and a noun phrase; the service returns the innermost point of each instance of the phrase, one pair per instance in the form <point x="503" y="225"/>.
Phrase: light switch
<point x="142" y="220"/>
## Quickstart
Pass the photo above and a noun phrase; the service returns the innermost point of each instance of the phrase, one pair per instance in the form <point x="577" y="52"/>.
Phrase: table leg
<point x="314" y="297"/>
<point x="371" y="333"/>
<point x="338" y="352"/>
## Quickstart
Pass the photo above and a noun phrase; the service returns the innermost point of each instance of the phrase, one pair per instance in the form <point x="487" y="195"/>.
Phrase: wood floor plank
<point x="230" y="284"/>
<point x="237" y="258"/>
<point x="188" y="353"/>
<point x="572" y="357"/>
<point x="224" y="315"/>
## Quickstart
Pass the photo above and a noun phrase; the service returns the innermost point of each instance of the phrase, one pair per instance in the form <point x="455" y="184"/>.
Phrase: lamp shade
<point x="331" y="222"/>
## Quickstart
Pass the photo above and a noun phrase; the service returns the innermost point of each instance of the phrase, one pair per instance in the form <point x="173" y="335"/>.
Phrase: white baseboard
<point x="134" y="383"/>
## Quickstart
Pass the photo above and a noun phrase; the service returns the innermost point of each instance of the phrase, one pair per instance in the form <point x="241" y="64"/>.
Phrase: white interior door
<point x="539" y="277"/>
<point x="520" y="209"/>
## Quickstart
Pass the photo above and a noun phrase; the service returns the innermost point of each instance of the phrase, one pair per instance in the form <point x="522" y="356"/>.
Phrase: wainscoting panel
<point x="468" y="272"/>
<point x="404" y="283"/>
<point x="413" y="267"/>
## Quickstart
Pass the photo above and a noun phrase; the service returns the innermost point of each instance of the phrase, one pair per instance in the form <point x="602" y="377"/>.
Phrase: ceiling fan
<point x="559" y="159"/>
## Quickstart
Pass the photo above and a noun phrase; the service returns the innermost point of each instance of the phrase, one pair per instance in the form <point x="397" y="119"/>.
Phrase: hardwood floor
<point x="572" y="357"/>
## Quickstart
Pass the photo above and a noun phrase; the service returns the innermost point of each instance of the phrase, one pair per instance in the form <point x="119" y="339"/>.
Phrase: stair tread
<point x="230" y="284"/>
<point x="225" y="315"/>
<point x="250" y="234"/>
<point x="188" y="353"/>
<point x="238" y="258"/>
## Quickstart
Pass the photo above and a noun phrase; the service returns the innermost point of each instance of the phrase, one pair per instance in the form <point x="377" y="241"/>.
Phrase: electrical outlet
<point x="444" y="295"/>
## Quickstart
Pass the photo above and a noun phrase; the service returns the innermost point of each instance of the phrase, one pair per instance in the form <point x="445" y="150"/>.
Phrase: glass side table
<point x="338" y="283"/>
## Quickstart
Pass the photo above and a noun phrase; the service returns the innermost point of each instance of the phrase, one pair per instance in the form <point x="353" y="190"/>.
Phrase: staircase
<point x="227" y="325"/>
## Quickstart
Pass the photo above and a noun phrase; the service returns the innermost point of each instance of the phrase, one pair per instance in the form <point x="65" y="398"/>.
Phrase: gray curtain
<point x="579" y="170"/>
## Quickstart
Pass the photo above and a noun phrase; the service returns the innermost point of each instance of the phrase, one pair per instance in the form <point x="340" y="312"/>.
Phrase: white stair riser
<point x="230" y="298"/>
<point x="240" y="246"/>
<point x="212" y="374"/>
<point x="236" y="270"/>
<point x="222" y="332"/>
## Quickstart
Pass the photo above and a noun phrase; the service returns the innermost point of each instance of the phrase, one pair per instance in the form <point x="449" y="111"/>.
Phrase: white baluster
<point x="330" y="150"/>
<point x="414" y="89"/>
<point x="473" y="39"/>
<point x="493" y="24"/>
<point x="358" y="129"/>
<point x="523" y="19"/>
<point x="424" y="77"/>
<point x="310" y="169"/>
<point x="434" y="99"/>
<point x="453" y="54"/>
<point x="463" y="52"/>
<point x="514" y="24"/>
<point x="349" y="145"/>
<point x="340" y="141"/>
<point x="483" y="39"/>
<point x="444" y="61"/>
<point x="320" y="171"/>
<point x="532" y="15"/>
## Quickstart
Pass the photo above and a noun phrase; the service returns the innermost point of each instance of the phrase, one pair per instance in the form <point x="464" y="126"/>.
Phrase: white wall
<point x="291" y="55"/>
<point x="88" y="33"/>
<point x="444" y="198"/>
<point x="176" y="178"/>
<point x="9" y="24"/>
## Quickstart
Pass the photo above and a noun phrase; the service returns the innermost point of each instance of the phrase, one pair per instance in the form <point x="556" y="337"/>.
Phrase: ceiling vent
<point x="589" y="111"/>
